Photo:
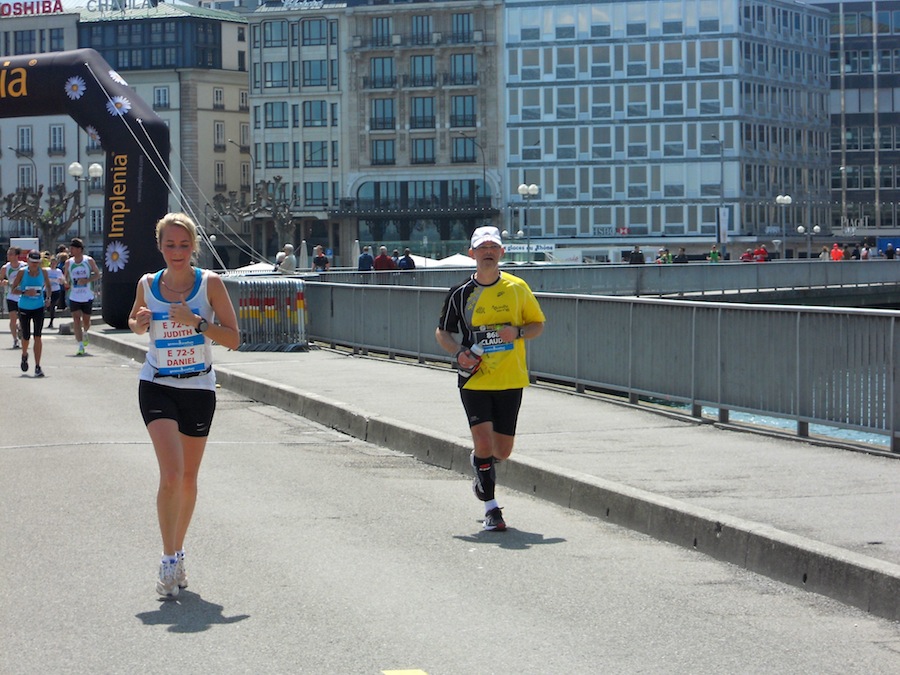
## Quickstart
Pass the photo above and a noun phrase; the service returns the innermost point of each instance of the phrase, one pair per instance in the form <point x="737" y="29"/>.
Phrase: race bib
<point x="179" y="348"/>
<point x="489" y="338"/>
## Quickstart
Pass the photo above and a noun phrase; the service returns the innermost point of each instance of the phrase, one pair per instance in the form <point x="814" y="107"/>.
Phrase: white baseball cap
<point x="485" y="234"/>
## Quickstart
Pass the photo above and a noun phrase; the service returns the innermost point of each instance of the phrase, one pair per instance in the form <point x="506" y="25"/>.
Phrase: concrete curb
<point x="857" y="580"/>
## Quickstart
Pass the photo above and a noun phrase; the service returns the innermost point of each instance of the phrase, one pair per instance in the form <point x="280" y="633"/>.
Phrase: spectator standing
<point x="366" y="261"/>
<point x="7" y="274"/>
<point x="681" y="257"/>
<point x="836" y="252"/>
<point x="761" y="254"/>
<point x="384" y="262"/>
<point x="395" y="256"/>
<point x="747" y="256"/>
<point x="889" y="251"/>
<point x="406" y="262"/>
<point x="289" y="263"/>
<point x="714" y="255"/>
<point x="190" y="306"/>
<point x="637" y="256"/>
<point x="320" y="262"/>
<point x="497" y="312"/>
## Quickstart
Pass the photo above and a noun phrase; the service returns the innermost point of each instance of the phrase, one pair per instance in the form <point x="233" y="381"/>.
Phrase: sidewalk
<point x="821" y="518"/>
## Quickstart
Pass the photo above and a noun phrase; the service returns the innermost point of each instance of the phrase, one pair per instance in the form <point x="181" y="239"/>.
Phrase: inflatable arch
<point x="81" y="84"/>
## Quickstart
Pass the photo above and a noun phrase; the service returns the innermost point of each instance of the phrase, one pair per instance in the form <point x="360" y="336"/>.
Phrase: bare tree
<point x="62" y="209"/>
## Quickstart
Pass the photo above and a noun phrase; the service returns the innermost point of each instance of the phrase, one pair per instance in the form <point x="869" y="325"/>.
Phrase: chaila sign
<point x="81" y="84"/>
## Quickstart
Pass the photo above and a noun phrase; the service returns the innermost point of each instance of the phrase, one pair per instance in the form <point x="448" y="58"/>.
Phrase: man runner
<point x="498" y="312"/>
<point x="81" y="272"/>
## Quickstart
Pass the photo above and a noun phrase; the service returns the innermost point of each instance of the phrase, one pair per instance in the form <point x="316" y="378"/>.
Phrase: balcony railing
<point x="422" y="207"/>
<point x="382" y="123"/>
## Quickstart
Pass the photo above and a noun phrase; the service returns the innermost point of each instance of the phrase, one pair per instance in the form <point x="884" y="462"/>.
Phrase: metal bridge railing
<point x="811" y="365"/>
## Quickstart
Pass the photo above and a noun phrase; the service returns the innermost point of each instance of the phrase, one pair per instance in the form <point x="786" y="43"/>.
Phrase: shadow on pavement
<point x="511" y="538"/>
<point x="188" y="613"/>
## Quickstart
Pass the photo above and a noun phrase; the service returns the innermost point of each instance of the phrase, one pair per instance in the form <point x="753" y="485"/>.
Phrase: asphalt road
<point x="312" y="552"/>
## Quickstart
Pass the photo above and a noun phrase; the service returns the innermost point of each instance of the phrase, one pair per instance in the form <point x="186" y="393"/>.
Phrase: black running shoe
<point x="24" y="363"/>
<point x="493" y="520"/>
<point x="38" y="372"/>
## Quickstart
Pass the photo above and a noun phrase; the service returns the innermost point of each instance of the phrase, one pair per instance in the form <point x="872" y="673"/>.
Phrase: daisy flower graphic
<point x="75" y="87"/>
<point x="118" y="106"/>
<point x="117" y="78"/>
<point x="92" y="133"/>
<point x="116" y="256"/>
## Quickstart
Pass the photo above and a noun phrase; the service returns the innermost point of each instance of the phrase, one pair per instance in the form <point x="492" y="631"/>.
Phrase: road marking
<point x="403" y="672"/>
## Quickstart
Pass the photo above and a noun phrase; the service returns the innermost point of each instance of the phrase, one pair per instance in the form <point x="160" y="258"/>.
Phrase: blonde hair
<point x="181" y="220"/>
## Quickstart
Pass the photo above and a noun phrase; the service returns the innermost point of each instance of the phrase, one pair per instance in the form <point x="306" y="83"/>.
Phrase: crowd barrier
<point x="271" y="313"/>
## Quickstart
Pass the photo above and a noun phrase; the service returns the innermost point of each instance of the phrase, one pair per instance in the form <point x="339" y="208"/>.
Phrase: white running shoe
<point x="166" y="586"/>
<point x="80" y="351"/>
<point x="180" y="574"/>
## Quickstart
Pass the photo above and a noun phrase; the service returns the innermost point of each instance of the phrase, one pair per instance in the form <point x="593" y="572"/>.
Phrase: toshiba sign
<point x="32" y="8"/>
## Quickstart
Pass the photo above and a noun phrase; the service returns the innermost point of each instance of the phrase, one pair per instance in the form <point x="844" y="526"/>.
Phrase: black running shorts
<point x="499" y="407"/>
<point x="193" y="409"/>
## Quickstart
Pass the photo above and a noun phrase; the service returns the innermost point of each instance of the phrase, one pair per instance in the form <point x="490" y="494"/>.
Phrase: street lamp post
<point x="720" y="212"/>
<point x="784" y="201"/>
<point x="76" y="171"/>
<point x="527" y="193"/>
<point x="809" y="235"/>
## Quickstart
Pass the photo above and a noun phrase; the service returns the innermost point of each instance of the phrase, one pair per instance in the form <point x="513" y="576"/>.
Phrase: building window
<point x="57" y="40"/>
<point x="462" y="29"/>
<point x="381" y="73"/>
<point x="23" y="139"/>
<point x="57" y="138"/>
<point x="314" y="32"/>
<point x="335" y="154"/>
<point x="423" y="151"/>
<point x="315" y="114"/>
<point x="422" y="113"/>
<point x="219" y="135"/>
<point x="383" y="114"/>
<point x="421" y="30"/>
<point x="462" y="111"/>
<point x="315" y="73"/>
<point x="57" y="175"/>
<point x="218" y="98"/>
<point x="277" y="156"/>
<point x="315" y="154"/>
<point x="463" y="151"/>
<point x="315" y="193"/>
<point x="276" y="115"/>
<point x="275" y="34"/>
<point x="383" y="152"/>
<point x="160" y="98"/>
<point x="24" y="42"/>
<point x="382" y="27"/>
<point x="462" y="69"/>
<point x="421" y="71"/>
<point x="275" y="74"/>
<point x="220" y="177"/>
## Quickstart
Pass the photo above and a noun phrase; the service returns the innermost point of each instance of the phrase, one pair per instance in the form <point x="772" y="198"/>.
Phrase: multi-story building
<point x="865" y="119"/>
<point x="191" y="63"/>
<point x="648" y="122"/>
<point x="385" y="120"/>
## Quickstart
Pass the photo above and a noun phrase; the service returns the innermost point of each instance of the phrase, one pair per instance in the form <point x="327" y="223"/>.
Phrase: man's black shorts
<point x="499" y="407"/>
<point x="193" y="409"/>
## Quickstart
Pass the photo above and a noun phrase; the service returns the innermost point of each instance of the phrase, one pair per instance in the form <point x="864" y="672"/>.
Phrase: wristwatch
<point x="522" y="332"/>
<point x="202" y="326"/>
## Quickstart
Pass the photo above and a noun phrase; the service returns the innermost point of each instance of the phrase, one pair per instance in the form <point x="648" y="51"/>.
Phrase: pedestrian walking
<point x="184" y="308"/>
<point x="494" y="313"/>
<point x="81" y="272"/>
<point x="33" y="285"/>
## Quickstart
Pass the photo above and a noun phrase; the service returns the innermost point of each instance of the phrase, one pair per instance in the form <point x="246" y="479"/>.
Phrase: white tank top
<point x="11" y="272"/>
<point x="178" y="356"/>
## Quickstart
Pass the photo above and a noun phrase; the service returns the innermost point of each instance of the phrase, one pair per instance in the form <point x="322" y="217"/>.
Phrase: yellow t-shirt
<point x="478" y="312"/>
